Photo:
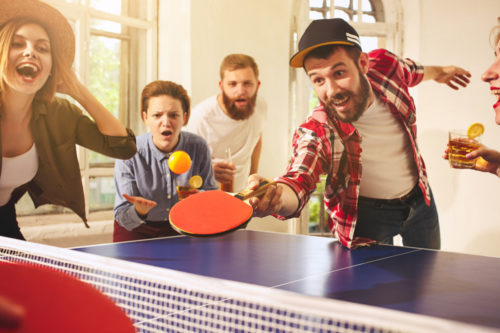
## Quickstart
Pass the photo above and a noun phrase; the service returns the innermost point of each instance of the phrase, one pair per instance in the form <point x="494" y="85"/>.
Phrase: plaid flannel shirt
<point x="332" y="147"/>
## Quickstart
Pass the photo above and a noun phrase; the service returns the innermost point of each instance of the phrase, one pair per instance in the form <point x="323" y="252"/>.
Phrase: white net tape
<point x="163" y="300"/>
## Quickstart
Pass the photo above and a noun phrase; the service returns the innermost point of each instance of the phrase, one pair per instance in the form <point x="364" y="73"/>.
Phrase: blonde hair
<point x="495" y="34"/>
<point x="60" y="70"/>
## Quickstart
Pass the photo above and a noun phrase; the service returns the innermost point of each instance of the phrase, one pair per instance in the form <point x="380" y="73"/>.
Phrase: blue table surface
<point x="442" y="284"/>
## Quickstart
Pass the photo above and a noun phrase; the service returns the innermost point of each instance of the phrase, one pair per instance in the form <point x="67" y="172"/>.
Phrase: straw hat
<point x="61" y="34"/>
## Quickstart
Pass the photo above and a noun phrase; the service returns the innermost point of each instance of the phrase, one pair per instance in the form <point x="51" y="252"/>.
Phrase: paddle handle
<point x="261" y="189"/>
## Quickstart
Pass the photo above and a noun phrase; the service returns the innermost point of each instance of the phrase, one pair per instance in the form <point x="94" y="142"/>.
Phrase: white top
<point x="220" y="131"/>
<point x="16" y="171"/>
<point x="388" y="167"/>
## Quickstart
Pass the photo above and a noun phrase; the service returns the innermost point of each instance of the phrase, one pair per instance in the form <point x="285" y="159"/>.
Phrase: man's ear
<point x="143" y="116"/>
<point x="363" y="62"/>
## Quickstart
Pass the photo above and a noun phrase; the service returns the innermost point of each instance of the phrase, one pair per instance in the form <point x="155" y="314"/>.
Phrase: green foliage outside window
<point x="105" y="79"/>
<point x="317" y="224"/>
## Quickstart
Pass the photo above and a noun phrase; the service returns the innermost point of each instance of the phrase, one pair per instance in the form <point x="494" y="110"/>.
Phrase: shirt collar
<point x="345" y="130"/>
<point x="38" y="109"/>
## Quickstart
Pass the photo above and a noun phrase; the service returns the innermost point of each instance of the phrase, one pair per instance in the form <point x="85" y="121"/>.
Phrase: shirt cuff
<point x="130" y="219"/>
<point x="296" y="190"/>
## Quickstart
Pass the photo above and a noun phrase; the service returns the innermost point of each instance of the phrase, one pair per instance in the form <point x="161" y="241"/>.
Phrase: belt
<point x="405" y="199"/>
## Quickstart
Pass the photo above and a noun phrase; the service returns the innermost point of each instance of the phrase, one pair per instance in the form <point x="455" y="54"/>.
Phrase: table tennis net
<point x="163" y="300"/>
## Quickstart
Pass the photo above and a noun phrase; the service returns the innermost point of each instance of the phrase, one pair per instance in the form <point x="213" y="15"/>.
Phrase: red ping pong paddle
<point x="55" y="302"/>
<point x="215" y="212"/>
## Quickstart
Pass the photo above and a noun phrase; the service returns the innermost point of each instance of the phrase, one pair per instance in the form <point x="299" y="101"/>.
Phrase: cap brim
<point x="297" y="59"/>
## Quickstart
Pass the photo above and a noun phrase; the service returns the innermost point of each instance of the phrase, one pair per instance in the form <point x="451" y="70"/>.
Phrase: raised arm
<point x="452" y="76"/>
<point x="106" y="122"/>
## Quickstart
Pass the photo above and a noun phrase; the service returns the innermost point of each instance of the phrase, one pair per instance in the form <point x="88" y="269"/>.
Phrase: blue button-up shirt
<point x="147" y="175"/>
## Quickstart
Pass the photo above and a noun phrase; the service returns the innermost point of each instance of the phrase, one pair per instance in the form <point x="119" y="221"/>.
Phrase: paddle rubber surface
<point x="56" y="302"/>
<point x="209" y="213"/>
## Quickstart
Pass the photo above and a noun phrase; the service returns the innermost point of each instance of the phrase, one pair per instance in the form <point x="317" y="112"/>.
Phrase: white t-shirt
<point x="220" y="131"/>
<point x="16" y="171"/>
<point x="388" y="167"/>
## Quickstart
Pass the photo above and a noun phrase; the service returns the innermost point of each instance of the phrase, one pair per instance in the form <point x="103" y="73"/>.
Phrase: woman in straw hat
<point x="39" y="131"/>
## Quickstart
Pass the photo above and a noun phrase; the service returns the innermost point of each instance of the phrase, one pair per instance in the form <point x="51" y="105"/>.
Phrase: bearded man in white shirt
<point x="233" y="121"/>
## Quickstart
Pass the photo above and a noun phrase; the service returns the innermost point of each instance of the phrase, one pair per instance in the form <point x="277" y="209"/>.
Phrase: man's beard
<point x="234" y="111"/>
<point x="359" y="98"/>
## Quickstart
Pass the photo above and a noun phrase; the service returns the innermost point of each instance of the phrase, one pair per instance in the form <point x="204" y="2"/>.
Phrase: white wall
<point x="196" y="34"/>
<point x="451" y="32"/>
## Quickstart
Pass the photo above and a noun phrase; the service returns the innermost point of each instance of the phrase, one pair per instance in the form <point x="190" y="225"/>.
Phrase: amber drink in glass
<point x="459" y="146"/>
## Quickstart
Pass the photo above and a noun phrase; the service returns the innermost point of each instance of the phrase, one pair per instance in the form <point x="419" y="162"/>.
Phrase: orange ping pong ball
<point x="179" y="162"/>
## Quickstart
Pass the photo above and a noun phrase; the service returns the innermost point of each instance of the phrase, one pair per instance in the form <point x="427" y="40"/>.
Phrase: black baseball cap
<point x="324" y="32"/>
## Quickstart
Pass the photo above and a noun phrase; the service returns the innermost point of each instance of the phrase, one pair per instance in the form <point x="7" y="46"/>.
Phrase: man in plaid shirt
<point x="363" y="137"/>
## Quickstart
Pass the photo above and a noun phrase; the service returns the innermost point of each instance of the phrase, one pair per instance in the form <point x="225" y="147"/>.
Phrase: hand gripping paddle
<point x="215" y="212"/>
<point x="55" y="301"/>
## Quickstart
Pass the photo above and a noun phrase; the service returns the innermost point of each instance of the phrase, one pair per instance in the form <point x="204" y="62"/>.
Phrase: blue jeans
<point x="417" y="223"/>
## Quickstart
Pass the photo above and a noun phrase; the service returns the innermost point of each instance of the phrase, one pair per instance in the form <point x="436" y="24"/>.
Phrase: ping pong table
<point x="458" y="287"/>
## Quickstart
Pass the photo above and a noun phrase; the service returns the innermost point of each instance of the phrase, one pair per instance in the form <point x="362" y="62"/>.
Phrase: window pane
<point x="369" y="43"/>
<point x="314" y="208"/>
<point x="108" y="6"/>
<point x="105" y="78"/>
<point x="368" y="18"/>
<point x="367" y="5"/>
<point x="318" y="217"/>
<point x="131" y="8"/>
<point x="316" y="3"/>
<point x="105" y="71"/>
<point x="102" y="193"/>
<point x="313" y="100"/>
<point x="105" y="25"/>
<point x="313" y="15"/>
<point x="342" y="3"/>
<point x="341" y="14"/>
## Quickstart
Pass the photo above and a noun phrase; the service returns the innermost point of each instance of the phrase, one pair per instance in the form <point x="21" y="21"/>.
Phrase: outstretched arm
<point x="453" y="76"/>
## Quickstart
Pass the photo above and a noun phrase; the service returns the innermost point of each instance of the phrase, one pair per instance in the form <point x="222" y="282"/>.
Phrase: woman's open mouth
<point x="496" y="92"/>
<point x="28" y="71"/>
